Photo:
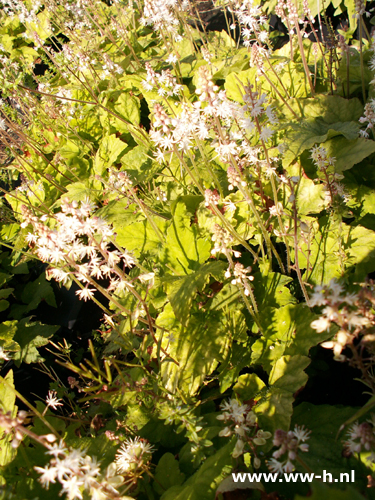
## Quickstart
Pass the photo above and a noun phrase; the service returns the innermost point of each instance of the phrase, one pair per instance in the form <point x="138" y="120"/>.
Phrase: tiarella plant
<point x="209" y="196"/>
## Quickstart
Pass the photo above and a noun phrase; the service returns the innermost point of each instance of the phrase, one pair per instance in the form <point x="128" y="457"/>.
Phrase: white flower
<point x="238" y="449"/>
<point x="266" y="134"/>
<point x="171" y="59"/>
<point x="52" y="401"/>
<point x="57" y="449"/>
<point x="132" y="452"/>
<point x="275" y="466"/>
<point x="85" y="293"/>
<point x="147" y="277"/>
<point x="301" y="433"/>
<point x="49" y="475"/>
<point x="4" y="355"/>
<point x="321" y="325"/>
<point x="72" y="487"/>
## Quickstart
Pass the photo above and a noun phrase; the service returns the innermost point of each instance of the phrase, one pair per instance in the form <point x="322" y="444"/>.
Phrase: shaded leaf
<point x="7" y="404"/>
<point x="30" y="336"/>
<point x="325" y="450"/>
<point x="182" y="291"/>
<point x="198" y="348"/>
<point x="167" y="473"/>
<point x="321" y="491"/>
<point x="8" y="330"/>
<point x="203" y="484"/>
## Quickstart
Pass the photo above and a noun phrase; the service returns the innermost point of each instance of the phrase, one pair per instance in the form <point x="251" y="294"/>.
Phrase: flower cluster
<point x="77" y="245"/>
<point x="52" y="400"/>
<point x="165" y="83"/>
<point x="320" y="157"/>
<point x="161" y="15"/>
<point x="234" y="178"/>
<point x="344" y="310"/>
<point x="240" y="275"/>
<point x="368" y="116"/>
<point x="242" y="422"/>
<point x="289" y="444"/>
<point x="334" y="191"/>
<point x="211" y="197"/>
<point x="78" y="472"/>
<point x="133" y="457"/>
<point x="361" y="437"/>
<point x="119" y="180"/>
<point x="16" y="8"/>
<point x="251" y="20"/>
<point x="11" y="424"/>
<point x="222" y="241"/>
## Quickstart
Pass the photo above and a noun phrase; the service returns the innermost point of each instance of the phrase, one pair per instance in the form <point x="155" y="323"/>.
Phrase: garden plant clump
<point x="188" y="249"/>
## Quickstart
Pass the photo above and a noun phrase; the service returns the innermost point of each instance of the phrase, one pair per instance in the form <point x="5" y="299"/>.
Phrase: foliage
<point x="201" y="189"/>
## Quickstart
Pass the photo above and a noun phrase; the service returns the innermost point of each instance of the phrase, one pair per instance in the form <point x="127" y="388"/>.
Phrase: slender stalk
<point x="303" y="56"/>
<point x="360" y="27"/>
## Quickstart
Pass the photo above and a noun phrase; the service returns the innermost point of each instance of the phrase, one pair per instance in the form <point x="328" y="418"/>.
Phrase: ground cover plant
<point x="188" y="249"/>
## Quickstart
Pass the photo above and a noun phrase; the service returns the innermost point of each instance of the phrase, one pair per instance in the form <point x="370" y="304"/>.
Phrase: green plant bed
<point x="188" y="236"/>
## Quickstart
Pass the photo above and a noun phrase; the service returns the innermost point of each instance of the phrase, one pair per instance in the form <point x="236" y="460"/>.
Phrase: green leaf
<point x="125" y="111"/>
<point x="5" y="292"/>
<point x="182" y="291"/>
<point x="167" y="474"/>
<point x="361" y="196"/>
<point x="348" y="153"/>
<point x="239" y="357"/>
<point x="355" y="72"/>
<point x="185" y="249"/>
<point x="70" y="150"/>
<point x="7" y="394"/>
<point x="109" y="150"/>
<point x="334" y="248"/>
<point x="120" y="213"/>
<point x="4" y="304"/>
<point x="288" y="373"/>
<point x="140" y="237"/>
<point x="139" y="165"/>
<point x="198" y="348"/>
<point x="30" y="336"/>
<point x="310" y="197"/>
<point x="275" y="409"/>
<point x="271" y="290"/>
<point x="325" y="450"/>
<point x="8" y="330"/>
<point x="128" y="107"/>
<point x="291" y="75"/>
<point x="310" y="132"/>
<point x="248" y="386"/>
<point x="7" y="403"/>
<point x="4" y="278"/>
<point x="203" y="484"/>
<point x="331" y="109"/>
<point x="33" y="294"/>
<point x="79" y="191"/>
<point x="227" y="298"/>
<point x="324" y="117"/>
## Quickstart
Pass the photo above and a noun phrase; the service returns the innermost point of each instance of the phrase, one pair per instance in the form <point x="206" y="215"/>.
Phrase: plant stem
<point x="361" y="57"/>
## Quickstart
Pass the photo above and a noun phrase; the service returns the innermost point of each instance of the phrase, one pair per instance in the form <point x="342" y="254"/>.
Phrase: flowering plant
<point x="206" y="198"/>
